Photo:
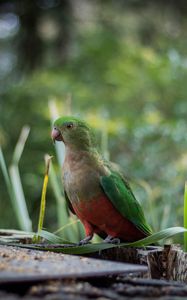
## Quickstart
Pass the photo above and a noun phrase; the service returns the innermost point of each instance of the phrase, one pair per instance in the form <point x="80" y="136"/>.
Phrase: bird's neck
<point x="77" y="157"/>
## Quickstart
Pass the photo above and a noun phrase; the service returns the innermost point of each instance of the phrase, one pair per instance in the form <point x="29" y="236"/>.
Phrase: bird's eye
<point x="69" y="126"/>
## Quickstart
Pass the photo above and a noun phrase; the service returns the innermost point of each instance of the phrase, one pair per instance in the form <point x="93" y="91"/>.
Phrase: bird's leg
<point x="85" y="240"/>
<point x="89" y="233"/>
<point x="111" y="240"/>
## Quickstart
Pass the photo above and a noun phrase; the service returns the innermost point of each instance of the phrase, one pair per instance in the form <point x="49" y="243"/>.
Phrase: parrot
<point x="95" y="189"/>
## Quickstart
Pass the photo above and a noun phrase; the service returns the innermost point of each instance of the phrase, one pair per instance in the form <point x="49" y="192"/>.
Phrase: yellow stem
<point x="43" y="197"/>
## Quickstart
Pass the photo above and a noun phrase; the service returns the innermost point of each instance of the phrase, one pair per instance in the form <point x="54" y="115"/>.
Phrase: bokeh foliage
<point x="125" y="66"/>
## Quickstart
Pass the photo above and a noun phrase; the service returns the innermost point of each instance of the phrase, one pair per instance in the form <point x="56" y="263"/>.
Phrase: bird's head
<point x="73" y="132"/>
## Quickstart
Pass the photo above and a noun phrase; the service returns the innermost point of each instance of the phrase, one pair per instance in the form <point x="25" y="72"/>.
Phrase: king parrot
<point x="94" y="188"/>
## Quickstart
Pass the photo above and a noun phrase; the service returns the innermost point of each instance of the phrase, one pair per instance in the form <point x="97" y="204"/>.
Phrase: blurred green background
<point x="122" y="66"/>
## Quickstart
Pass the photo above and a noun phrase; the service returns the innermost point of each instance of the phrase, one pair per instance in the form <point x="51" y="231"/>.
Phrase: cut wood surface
<point x="19" y="265"/>
<point x="36" y="274"/>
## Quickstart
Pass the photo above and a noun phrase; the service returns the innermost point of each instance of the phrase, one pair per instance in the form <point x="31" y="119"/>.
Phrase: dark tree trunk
<point x="64" y="18"/>
<point x="30" y="48"/>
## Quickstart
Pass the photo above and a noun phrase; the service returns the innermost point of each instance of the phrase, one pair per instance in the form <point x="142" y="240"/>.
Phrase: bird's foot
<point x="85" y="240"/>
<point x="111" y="240"/>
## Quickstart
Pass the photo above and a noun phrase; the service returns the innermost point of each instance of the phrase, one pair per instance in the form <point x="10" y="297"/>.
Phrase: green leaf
<point x="15" y="190"/>
<point x="52" y="238"/>
<point x="91" y="248"/>
<point x="161" y="235"/>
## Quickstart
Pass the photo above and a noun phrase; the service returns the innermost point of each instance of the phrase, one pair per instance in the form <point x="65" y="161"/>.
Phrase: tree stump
<point x="168" y="262"/>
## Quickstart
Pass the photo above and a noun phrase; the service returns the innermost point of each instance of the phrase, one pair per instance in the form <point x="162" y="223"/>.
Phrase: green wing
<point x="121" y="196"/>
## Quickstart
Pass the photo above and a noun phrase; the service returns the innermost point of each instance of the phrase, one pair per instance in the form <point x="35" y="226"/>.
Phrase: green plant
<point x="70" y="228"/>
<point x="13" y="182"/>
<point x="73" y="248"/>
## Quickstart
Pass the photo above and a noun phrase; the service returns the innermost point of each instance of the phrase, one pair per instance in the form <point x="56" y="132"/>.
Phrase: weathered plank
<point x="25" y="265"/>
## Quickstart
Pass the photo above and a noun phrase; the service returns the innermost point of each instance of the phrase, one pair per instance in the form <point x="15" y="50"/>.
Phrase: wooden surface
<point x="35" y="274"/>
<point x="19" y="265"/>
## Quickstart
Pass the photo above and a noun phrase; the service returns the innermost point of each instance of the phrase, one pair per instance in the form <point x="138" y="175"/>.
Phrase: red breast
<point x="101" y="213"/>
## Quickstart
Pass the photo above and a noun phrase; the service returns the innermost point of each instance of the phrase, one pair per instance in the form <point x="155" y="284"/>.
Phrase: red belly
<point x="103" y="217"/>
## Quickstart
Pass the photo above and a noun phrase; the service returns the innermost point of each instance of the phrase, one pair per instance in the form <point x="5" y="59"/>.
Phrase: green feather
<point x="81" y="136"/>
<point x="69" y="119"/>
<point x="121" y="196"/>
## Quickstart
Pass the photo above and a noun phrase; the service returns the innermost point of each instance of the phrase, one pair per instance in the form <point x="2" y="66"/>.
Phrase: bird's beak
<point x="56" y="135"/>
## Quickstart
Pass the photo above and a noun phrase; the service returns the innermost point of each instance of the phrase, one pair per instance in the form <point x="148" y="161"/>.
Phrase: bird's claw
<point x="110" y="240"/>
<point x="85" y="240"/>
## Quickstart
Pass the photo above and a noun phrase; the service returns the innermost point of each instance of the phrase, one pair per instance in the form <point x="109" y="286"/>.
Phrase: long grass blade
<point x="20" y="144"/>
<point x="20" y="200"/>
<point x="61" y="229"/>
<point x="13" y="182"/>
<point x="7" y="178"/>
<point x="91" y="248"/>
<point x="12" y="194"/>
<point x="4" y="171"/>
<point x="20" y="203"/>
<point x="52" y="238"/>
